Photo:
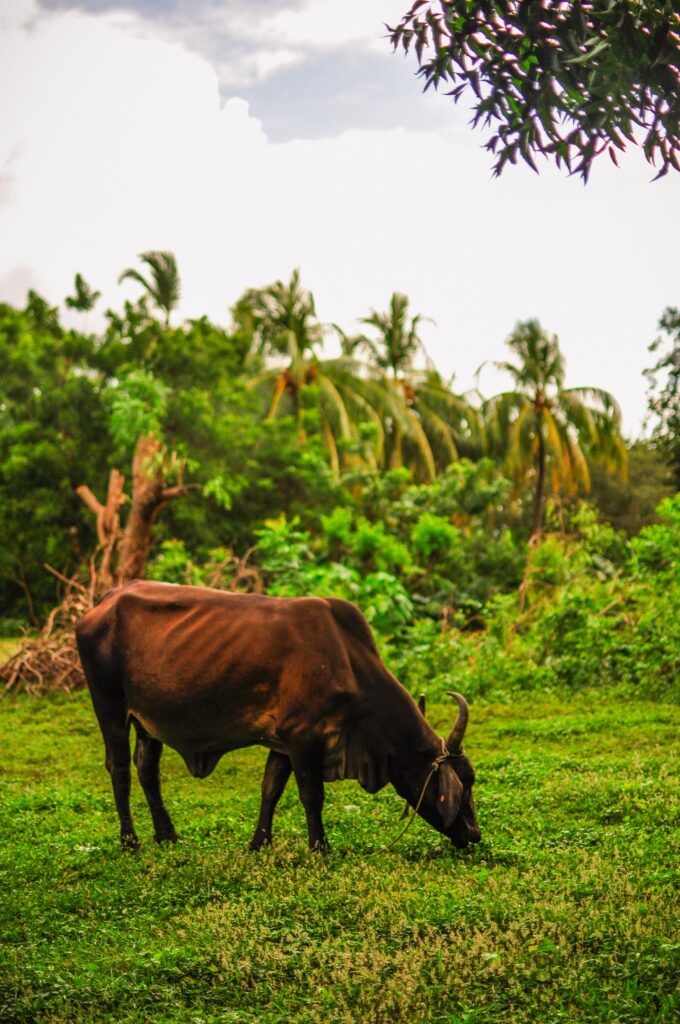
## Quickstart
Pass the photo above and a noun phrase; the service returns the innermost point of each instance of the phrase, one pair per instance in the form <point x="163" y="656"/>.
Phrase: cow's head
<point x="447" y="801"/>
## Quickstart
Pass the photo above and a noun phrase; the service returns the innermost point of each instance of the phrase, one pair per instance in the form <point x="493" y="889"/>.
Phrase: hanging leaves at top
<point x="568" y="81"/>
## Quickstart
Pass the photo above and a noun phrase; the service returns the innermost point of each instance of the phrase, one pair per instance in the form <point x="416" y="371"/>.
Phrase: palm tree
<point x="427" y="422"/>
<point x="398" y="343"/>
<point x="543" y="427"/>
<point x="85" y="298"/>
<point x="281" y="321"/>
<point x="163" y="288"/>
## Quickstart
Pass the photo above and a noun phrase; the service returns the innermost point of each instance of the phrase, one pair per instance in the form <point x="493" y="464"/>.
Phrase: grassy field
<point x="567" y="911"/>
<point x="8" y="646"/>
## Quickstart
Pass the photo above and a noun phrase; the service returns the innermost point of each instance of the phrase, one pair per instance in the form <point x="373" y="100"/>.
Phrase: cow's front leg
<point x="308" y="768"/>
<point x="276" y="775"/>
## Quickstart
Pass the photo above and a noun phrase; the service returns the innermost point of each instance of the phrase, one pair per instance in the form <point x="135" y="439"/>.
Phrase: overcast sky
<point x="254" y="136"/>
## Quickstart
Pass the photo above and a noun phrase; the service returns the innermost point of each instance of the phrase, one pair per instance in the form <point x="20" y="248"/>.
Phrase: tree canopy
<point x="565" y="80"/>
<point x="412" y="492"/>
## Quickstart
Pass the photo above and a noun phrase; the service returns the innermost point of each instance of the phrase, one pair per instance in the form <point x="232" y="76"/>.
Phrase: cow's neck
<point x="409" y="743"/>
<point x="410" y="768"/>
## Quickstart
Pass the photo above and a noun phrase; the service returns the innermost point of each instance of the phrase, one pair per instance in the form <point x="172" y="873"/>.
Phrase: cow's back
<point x="202" y="668"/>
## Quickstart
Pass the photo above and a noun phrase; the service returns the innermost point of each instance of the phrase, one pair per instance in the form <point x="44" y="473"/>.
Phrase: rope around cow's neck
<point x="439" y="760"/>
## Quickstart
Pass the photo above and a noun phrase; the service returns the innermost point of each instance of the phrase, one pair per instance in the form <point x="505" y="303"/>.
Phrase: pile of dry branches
<point x="50" y="661"/>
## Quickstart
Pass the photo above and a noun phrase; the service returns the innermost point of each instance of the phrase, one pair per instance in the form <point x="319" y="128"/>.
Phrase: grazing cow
<point x="207" y="671"/>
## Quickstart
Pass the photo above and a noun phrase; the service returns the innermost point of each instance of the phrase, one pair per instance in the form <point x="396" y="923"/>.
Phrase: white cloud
<point x="16" y="13"/>
<point x="329" y="24"/>
<point x="111" y="144"/>
<point x="292" y="34"/>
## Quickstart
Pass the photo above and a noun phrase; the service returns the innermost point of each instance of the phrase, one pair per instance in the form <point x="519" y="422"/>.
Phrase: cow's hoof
<point x="130" y="843"/>
<point x="258" y="842"/>
<point x="166" y="837"/>
<point x="320" y="846"/>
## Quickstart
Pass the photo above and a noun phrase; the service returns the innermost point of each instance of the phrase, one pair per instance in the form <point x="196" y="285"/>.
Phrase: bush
<point x="585" y="623"/>
<point x="594" y="610"/>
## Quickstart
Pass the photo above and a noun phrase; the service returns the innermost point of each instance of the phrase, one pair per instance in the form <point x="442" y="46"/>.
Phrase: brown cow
<point x="207" y="671"/>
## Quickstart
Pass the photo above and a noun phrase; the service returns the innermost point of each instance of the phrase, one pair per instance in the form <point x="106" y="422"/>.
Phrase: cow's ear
<point x="450" y="794"/>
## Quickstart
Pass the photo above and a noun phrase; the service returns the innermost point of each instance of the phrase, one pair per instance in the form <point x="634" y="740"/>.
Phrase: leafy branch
<point x="568" y="81"/>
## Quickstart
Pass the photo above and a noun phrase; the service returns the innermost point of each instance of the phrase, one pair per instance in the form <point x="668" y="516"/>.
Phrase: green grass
<point x="9" y="645"/>
<point x="567" y="911"/>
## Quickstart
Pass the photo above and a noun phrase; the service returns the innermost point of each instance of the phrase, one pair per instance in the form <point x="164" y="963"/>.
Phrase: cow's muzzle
<point x="465" y="836"/>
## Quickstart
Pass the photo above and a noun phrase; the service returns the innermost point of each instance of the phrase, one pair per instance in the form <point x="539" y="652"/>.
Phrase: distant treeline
<point x="370" y="452"/>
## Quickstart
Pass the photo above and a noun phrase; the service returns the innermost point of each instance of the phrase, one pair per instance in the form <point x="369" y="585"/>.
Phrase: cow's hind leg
<point x="108" y="699"/>
<point x="147" y="759"/>
<point x="276" y="775"/>
<point x="308" y="767"/>
<point x="117" y="742"/>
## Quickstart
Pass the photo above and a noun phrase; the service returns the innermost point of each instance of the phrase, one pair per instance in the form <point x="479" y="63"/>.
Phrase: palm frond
<point x="134" y="275"/>
<point x="604" y="401"/>
<point x="578" y="463"/>
<point x="499" y="413"/>
<point x="331" y="393"/>
<point x="398" y="342"/>
<point x="555" y="439"/>
<point x="279" y="391"/>
<point x="331" y="446"/>
<point x="457" y="410"/>
<point x="519" y="440"/>
<point x="164" y="285"/>
<point x="358" y="408"/>
<point x="513" y="371"/>
<point x="437" y="428"/>
<point x="416" y="433"/>
<point x="579" y="416"/>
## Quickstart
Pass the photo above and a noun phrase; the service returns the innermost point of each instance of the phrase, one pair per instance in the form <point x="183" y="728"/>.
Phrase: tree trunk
<point x="149" y="496"/>
<point x="108" y="526"/>
<point x="147" y="499"/>
<point x="540" y="487"/>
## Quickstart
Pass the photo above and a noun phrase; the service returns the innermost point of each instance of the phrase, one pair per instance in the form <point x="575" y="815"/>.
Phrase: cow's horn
<point x="459" y="726"/>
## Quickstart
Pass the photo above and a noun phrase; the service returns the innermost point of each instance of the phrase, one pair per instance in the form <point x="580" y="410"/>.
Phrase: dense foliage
<point x="565" y="80"/>
<point x="584" y="608"/>
<point x="458" y="527"/>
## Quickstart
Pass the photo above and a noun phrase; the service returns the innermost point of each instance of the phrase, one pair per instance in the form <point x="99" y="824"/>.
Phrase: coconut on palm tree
<point x="162" y="286"/>
<point x="544" y="429"/>
<point x="427" y="423"/>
